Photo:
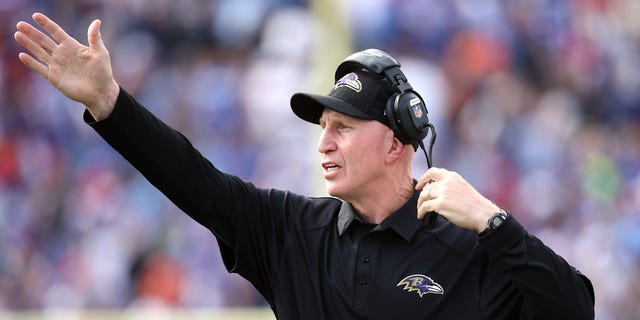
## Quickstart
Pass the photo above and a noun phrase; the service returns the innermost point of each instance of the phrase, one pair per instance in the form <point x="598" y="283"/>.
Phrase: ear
<point x="396" y="150"/>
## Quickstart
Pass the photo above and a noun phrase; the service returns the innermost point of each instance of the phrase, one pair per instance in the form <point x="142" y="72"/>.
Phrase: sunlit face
<point x="352" y="154"/>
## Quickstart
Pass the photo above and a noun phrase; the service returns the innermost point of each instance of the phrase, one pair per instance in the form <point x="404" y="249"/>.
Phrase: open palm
<point x="81" y="73"/>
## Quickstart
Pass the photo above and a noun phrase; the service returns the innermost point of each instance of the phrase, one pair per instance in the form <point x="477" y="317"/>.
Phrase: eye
<point x="342" y="126"/>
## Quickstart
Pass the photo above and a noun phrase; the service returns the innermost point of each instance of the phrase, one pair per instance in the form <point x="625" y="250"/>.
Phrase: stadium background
<point x="536" y="102"/>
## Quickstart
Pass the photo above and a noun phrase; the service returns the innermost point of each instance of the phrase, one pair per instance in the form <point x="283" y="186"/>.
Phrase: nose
<point x="326" y="142"/>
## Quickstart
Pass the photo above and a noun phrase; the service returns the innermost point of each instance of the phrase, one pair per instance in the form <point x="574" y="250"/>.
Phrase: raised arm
<point x="81" y="73"/>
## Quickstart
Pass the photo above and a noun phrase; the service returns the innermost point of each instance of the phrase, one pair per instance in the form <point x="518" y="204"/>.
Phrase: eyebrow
<point x="334" y="120"/>
<point x="341" y="118"/>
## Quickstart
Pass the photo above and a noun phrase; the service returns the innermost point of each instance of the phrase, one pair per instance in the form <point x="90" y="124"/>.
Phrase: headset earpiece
<point x="408" y="112"/>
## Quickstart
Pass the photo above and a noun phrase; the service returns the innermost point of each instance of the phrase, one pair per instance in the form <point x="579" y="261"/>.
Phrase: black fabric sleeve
<point x="168" y="160"/>
<point x="551" y="288"/>
<point x="246" y="220"/>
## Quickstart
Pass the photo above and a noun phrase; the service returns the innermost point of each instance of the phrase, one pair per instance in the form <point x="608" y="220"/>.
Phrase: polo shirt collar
<point x="403" y="221"/>
<point x="346" y="215"/>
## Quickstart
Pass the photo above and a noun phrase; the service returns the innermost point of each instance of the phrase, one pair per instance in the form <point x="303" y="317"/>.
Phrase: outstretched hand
<point x="448" y="194"/>
<point x="81" y="73"/>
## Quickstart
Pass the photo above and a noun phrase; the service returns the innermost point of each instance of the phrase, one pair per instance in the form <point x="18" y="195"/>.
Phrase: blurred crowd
<point x="536" y="103"/>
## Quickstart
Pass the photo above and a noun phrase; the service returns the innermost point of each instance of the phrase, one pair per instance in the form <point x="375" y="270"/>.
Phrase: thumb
<point x="94" y="36"/>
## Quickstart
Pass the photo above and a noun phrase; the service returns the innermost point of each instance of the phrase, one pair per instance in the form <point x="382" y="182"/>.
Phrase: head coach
<point x="383" y="246"/>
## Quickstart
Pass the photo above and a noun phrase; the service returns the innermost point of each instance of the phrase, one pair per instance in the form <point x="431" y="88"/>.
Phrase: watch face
<point x="497" y="221"/>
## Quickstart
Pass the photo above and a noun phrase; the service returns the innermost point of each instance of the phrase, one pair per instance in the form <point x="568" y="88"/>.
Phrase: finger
<point x="433" y="174"/>
<point x="425" y="208"/>
<point x="94" y="36"/>
<point x="36" y="37"/>
<point x="424" y="180"/>
<point x="425" y="195"/>
<point x="428" y="194"/>
<point x="34" y="64"/>
<point x="51" y="27"/>
<point x="30" y="45"/>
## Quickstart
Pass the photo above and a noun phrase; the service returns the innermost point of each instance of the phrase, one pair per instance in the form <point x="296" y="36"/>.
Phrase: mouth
<point x="330" y="167"/>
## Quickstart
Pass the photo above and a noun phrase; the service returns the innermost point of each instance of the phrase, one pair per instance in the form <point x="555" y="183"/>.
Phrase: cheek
<point x="366" y="150"/>
<point x="365" y="157"/>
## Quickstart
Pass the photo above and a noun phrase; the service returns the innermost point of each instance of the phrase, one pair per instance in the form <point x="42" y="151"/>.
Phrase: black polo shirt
<point x="333" y="266"/>
<point x="314" y="258"/>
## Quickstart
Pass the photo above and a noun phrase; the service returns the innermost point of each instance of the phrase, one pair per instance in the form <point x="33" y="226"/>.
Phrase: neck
<point x="380" y="204"/>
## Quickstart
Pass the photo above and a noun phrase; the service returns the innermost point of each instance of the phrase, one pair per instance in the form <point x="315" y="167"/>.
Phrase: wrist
<point x="484" y="214"/>
<point x="105" y="101"/>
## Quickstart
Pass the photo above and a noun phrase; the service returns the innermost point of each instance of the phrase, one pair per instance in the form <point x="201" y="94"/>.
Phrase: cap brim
<point x="309" y="107"/>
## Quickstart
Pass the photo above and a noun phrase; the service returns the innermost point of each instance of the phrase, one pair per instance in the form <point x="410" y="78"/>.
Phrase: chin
<point x="331" y="188"/>
<point x="335" y="190"/>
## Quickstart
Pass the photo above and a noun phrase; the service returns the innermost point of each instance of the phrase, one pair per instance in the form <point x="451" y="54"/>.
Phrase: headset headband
<point x="378" y="62"/>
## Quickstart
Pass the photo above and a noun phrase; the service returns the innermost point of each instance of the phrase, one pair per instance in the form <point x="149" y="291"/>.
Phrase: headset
<point x="405" y="109"/>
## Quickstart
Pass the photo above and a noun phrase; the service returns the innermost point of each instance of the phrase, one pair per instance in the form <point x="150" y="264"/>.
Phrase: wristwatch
<point x="496" y="220"/>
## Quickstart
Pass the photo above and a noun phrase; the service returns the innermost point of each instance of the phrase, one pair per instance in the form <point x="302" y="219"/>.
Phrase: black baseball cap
<point x="359" y="94"/>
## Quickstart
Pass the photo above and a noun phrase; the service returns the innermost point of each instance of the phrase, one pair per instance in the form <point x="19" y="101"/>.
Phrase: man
<point x="383" y="247"/>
